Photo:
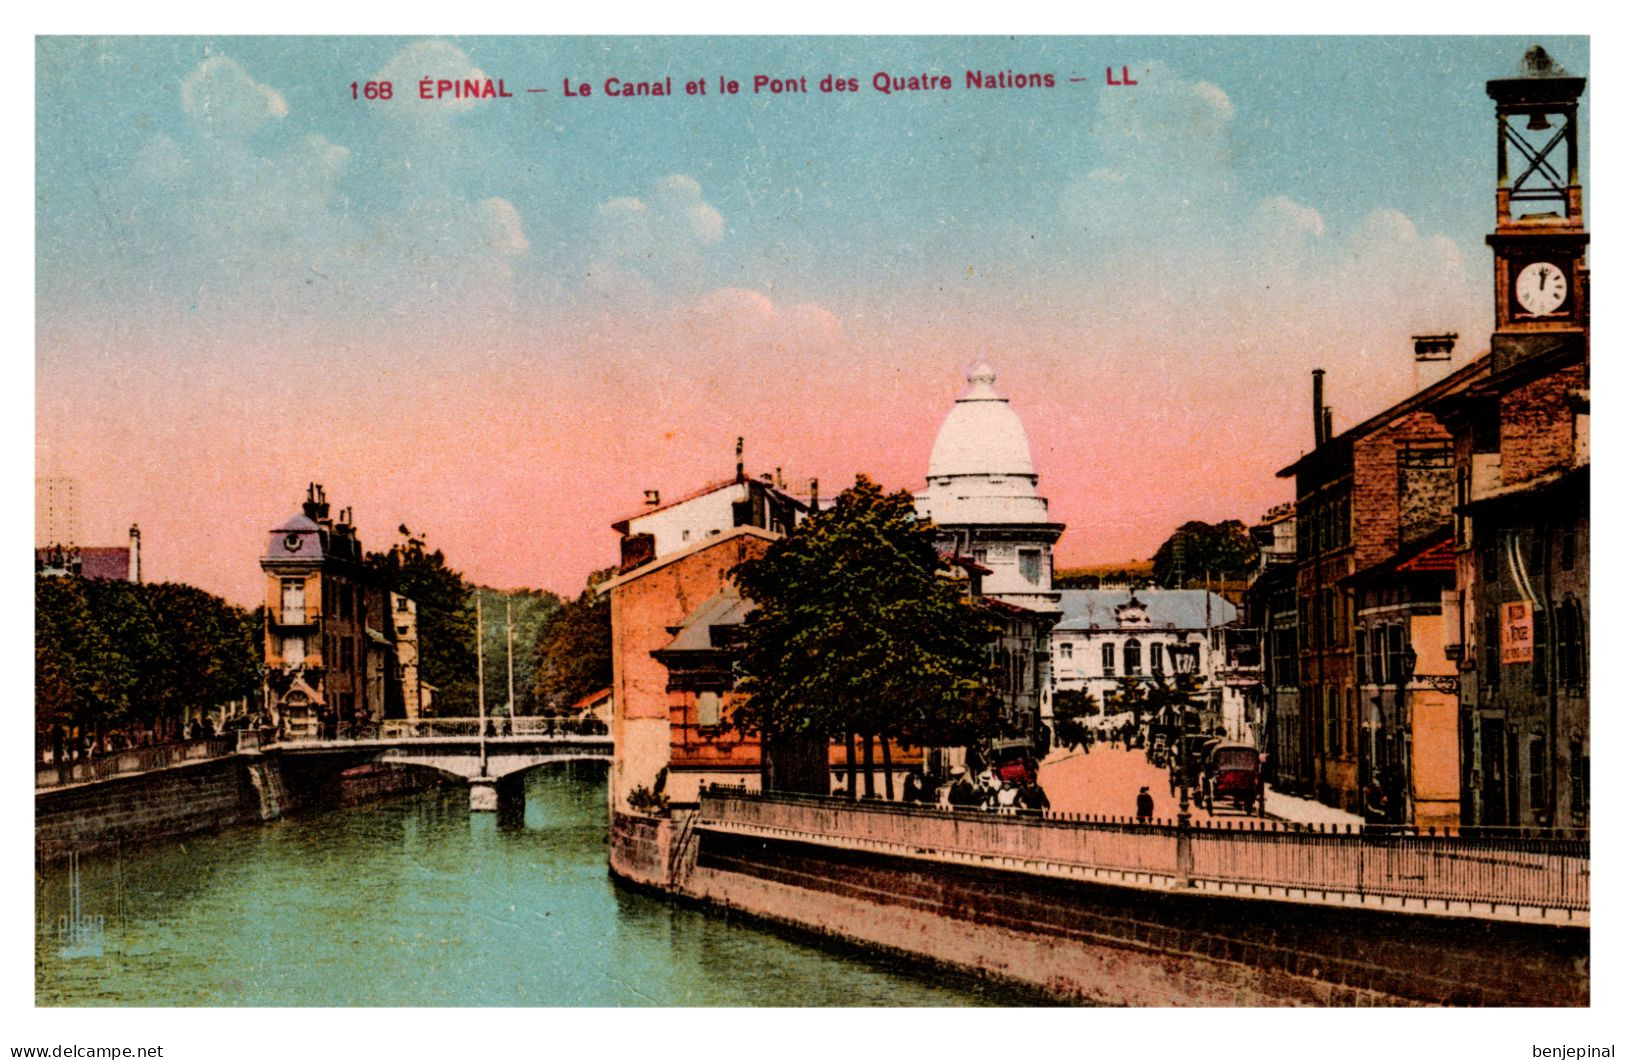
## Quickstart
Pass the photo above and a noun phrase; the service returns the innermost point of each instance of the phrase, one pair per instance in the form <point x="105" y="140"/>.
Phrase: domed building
<point x="982" y="494"/>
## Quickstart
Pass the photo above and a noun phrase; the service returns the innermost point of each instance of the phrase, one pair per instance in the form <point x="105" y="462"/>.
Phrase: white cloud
<point x="223" y="100"/>
<point x="431" y="59"/>
<point x="501" y="228"/>
<point x="653" y="243"/>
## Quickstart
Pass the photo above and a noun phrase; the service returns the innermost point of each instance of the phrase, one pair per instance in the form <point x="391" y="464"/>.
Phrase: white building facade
<point x="1107" y="635"/>
<point x="982" y="495"/>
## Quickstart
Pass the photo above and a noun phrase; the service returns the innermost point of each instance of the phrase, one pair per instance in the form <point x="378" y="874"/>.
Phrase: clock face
<point x="1542" y="288"/>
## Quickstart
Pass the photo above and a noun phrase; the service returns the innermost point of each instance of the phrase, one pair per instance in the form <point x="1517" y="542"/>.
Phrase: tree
<point x="1198" y="549"/>
<point x="446" y="652"/>
<point x="531" y="609"/>
<point x="1130" y="696"/>
<point x="571" y="657"/>
<point x="113" y="653"/>
<point x="858" y="632"/>
<point x="1075" y="703"/>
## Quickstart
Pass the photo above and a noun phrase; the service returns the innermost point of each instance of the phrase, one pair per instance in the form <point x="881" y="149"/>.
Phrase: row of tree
<point x="113" y="654"/>
<point x="560" y="649"/>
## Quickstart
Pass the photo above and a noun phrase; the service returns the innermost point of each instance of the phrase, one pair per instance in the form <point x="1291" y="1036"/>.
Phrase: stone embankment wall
<point x="200" y="797"/>
<point x="1103" y="943"/>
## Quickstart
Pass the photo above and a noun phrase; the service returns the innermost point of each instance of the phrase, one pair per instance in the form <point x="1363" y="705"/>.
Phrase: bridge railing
<point x="525" y="725"/>
<point x="132" y="760"/>
<point x="1486" y="869"/>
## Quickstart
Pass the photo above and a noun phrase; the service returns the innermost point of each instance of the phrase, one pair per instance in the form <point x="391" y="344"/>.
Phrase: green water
<point x="417" y="902"/>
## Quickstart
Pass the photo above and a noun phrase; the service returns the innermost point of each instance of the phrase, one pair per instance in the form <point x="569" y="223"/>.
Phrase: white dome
<point x="982" y="434"/>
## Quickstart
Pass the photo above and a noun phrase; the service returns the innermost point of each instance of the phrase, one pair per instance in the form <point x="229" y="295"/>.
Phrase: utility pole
<point x="510" y="664"/>
<point x="479" y="656"/>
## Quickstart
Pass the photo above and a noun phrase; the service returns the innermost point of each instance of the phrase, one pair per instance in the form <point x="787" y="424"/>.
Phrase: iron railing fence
<point x="132" y="760"/>
<point x="1490" y="867"/>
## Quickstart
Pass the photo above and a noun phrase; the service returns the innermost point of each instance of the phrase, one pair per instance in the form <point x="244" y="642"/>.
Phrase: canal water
<point x="417" y="902"/>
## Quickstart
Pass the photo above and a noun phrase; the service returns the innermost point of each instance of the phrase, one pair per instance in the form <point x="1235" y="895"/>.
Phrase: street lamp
<point x="1184" y="660"/>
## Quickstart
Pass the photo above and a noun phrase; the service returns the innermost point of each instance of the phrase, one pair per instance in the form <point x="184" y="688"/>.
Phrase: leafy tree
<point x="446" y="652"/>
<point x="530" y="608"/>
<point x="1075" y="703"/>
<point x="1130" y="696"/>
<point x="571" y="656"/>
<point x="858" y="632"/>
<point x="1199" y="549"/>
<point x="1183" y="691"/>
<point x="112" y="653"/>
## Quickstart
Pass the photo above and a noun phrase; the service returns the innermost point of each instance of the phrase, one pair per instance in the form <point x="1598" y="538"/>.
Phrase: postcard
<point x="686" y="522"/>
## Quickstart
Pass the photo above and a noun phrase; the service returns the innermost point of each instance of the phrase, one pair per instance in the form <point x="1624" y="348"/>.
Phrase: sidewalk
<point x="1307" y="811"/>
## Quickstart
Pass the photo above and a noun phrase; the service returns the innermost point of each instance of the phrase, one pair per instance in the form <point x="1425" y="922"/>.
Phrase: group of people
<point x="989" y="792"/>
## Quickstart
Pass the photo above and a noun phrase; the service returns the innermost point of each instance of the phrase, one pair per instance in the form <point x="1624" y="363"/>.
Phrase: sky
<point x="499" y="321"/>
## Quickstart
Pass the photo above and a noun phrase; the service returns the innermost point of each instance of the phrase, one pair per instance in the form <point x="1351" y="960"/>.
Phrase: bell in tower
<point x="1540" y="238"/>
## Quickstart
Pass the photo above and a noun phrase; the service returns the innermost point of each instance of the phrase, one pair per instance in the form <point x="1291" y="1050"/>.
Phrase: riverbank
<point x="190" y="798"/>
<point x="1016" y="901"/>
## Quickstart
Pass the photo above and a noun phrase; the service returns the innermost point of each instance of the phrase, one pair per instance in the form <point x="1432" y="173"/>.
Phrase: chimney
<point x="651" y="498"/>
<point x="1432" y="359"/>
<point x="1326" y="423"/>
<point x="135" y="553"/>
<point x="739" y="459"/>
<point x="778" y="477"/>
<point x="1320" y="406"/>
<point x="316" y="503"/>
<point x="814" y="504"/>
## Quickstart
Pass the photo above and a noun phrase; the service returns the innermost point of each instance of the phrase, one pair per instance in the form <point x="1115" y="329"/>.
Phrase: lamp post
<point x="1184" y="858"/>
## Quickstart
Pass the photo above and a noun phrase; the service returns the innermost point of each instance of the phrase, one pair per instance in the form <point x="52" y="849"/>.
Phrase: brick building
<point x="1522" y="479"/>
<point x="1362" y="496"/>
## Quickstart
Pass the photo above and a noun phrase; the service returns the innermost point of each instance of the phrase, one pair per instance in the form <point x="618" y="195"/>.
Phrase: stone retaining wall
<point x="1088" y="942"/>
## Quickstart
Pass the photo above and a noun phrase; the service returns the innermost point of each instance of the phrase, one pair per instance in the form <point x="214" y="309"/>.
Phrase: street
<point x="1106" y="781"/>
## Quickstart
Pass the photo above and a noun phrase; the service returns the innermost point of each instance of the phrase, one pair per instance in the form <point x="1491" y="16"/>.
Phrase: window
<point x="1537" y="774"/>
<point x="1350" y="722"/>
<point x="1333" y="741"/>
<point x="1538" y="668"/>
<point x="1031" y="560"/>
<point x="293" y="601"/>
<point x="710" y="710"/>
<point x="979" y="557"/>
<point x="1571" y="672"/>
<point x="1108" y="659"/>
<point x="1156" y="658"/>
<point x="1066" y="650"/>
<point x="1131" y="656"/>
<point x="293" y="651"/>
<point x="346" y="601"/>
<point x="1396" y="654"/>
<point x="1569" y="545"/>
<point x="1579" y="781"/>
<point x="1362" y="670"/>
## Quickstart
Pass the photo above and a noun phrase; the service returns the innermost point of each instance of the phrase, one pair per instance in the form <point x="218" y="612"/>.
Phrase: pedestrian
<point x="1143" y="806"/>
<point x="913" y="787"/>
<point x="1032" y="797"/>
<point x="961" y="792"/>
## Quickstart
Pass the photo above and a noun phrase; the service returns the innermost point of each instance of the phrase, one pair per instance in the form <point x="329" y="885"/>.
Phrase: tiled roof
<point x="725" y="607"/>
<point x="1166" y="608"/>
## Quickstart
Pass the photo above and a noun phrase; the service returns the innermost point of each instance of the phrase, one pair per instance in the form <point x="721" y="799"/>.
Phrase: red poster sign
<point x="1517" y="632"/>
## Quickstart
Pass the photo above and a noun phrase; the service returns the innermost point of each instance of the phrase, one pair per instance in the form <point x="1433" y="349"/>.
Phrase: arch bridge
<point x="491" y="767"/>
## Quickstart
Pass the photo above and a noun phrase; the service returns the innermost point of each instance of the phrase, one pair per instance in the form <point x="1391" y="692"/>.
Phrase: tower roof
<point x="982" y="435"/>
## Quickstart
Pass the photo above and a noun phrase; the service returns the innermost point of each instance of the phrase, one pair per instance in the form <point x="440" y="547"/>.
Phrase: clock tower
<point x="1541" y="279"/>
